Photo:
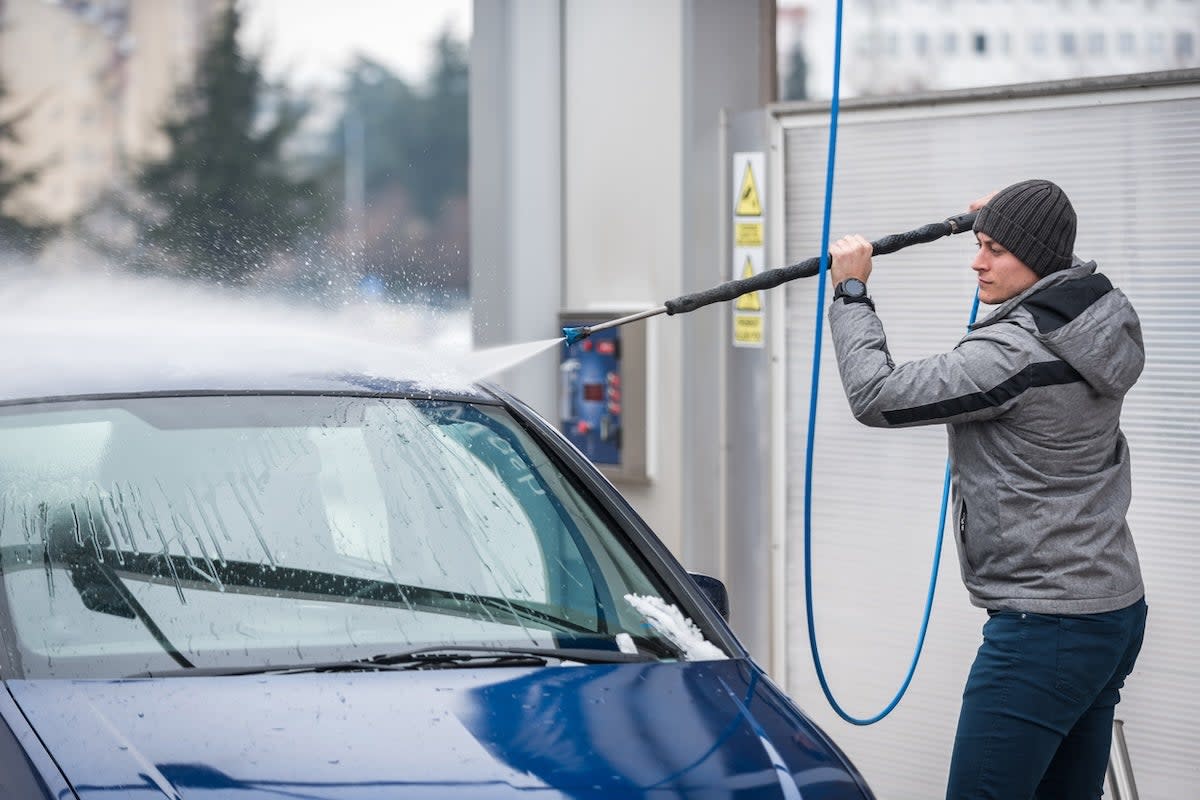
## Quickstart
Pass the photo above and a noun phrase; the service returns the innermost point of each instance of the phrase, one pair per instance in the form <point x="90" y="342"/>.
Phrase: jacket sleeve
<point x="979" y="379"/>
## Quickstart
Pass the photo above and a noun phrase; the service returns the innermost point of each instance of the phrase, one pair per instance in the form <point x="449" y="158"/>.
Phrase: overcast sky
<point x="310" y="41"/>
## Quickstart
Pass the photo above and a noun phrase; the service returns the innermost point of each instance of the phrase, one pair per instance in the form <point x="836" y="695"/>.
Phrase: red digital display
<point x="593" y="392"/>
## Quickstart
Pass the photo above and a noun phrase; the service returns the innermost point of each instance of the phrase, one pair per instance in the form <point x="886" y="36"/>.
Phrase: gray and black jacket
<point x="1031" y="398"/>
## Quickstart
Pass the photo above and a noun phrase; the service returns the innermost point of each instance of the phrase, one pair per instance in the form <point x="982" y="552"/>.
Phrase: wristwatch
<point x="852" y="290"/>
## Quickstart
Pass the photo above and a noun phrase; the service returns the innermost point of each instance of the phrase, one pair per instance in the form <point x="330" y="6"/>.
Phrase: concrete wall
<point x="597" y="175"/>
<point x="516" y="174"/>
<point x="623" y="122"/>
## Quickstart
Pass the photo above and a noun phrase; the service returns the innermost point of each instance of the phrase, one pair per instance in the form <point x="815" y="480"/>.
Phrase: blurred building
<point x="903" y="46"/>
<point x="96" y="77"/>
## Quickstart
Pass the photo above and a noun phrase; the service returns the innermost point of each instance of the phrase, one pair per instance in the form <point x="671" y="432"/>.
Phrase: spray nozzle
<point x="574" y="335"/>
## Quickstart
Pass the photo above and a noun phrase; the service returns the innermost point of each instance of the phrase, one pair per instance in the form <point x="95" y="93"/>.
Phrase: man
<point x="1031" y="398"/>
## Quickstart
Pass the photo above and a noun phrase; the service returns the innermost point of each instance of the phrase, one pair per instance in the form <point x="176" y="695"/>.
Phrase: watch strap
<point x="839" y="292"/>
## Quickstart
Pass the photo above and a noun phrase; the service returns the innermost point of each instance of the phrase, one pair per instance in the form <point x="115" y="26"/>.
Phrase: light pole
<point x="354" y="187"/>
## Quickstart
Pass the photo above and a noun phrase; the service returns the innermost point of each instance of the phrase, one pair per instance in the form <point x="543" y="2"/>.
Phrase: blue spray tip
<point x="574" y="335"/>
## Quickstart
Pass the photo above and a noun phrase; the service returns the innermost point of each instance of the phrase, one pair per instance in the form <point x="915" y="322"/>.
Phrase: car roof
<point x="85" y="338"/>
<point x="63" y="366"/>
<point x="345" y="384"/>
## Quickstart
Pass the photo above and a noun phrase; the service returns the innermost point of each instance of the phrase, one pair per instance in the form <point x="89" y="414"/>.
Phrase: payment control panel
<point x="601" y="396"/>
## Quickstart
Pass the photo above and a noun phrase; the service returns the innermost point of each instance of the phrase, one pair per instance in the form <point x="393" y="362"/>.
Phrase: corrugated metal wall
<point x="1130" y="160"/>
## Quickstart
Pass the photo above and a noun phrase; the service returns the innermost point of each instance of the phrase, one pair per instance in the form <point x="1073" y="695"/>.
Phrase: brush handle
<point x="731" y="290"/>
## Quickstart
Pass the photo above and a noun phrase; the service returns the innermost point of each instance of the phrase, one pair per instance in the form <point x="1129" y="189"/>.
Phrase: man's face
<point x="1001" y="275"/>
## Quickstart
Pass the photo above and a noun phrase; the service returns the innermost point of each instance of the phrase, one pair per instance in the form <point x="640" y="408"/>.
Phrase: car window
<point x="223" y="531"/>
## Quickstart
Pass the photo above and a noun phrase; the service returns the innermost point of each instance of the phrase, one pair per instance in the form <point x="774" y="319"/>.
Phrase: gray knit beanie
<point x="1034" y="221"/>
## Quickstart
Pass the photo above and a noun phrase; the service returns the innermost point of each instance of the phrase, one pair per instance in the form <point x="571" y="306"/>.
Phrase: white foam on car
<point x="625" y="643"/>
<point x="670" y="622"/>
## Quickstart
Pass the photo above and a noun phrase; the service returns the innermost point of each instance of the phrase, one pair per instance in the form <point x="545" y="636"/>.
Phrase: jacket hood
<point x="1078" y="315"/>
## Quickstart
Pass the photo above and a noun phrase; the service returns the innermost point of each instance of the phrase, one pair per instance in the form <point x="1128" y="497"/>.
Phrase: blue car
<point x="339" y="586"/>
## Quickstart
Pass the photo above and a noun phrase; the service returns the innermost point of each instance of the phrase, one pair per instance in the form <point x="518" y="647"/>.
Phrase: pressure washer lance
<point x="731" y="290"/>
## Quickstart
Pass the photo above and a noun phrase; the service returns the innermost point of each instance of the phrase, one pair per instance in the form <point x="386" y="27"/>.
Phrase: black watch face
<point x="853" y="287"/>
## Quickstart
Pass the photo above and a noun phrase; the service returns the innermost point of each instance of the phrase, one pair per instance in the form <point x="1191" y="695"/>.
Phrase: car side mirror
<point x="714" y="590"/>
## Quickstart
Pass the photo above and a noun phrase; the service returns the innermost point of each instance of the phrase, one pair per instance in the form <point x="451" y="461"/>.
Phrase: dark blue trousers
<point x="1037" y="710"/>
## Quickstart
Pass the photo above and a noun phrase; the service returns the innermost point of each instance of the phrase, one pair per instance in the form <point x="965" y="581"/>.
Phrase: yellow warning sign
<point x="748" y="204"/>
<point x="748" y="234"/>
<point x="750" y="301"/>
<point x="748" y="329"/>
<point x="747" y="172"/>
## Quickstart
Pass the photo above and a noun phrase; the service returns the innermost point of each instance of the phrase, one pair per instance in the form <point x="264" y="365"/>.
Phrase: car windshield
<point x="158" y="533"/>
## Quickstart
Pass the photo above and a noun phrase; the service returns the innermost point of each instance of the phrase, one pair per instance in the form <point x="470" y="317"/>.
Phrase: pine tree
<point x="18" y="234"/>
<point x="388" y="113"/>
<point x="401" y="154"/>
<point x="796" y="85"/>
<point x="224" y="197"/>
<point x="440" y="169"/>
<point x="416" y="137"/>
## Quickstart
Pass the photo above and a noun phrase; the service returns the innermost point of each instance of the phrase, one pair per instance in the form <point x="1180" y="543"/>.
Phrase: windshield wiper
<point x="438" y="656"/>
<point x="239" y="577"/>
<point x="100" y="589"/>
<point x="468" y="655"/>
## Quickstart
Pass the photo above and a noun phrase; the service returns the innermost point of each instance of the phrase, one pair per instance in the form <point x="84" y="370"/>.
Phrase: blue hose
<point x="812" y="422"/>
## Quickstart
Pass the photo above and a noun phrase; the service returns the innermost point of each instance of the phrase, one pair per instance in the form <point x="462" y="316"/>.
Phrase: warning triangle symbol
<point x="750" y="300"/>
<point x="748" y="204"/>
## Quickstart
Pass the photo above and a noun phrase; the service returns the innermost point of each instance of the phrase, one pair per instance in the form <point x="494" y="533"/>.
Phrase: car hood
<point x="585" y="731"/>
